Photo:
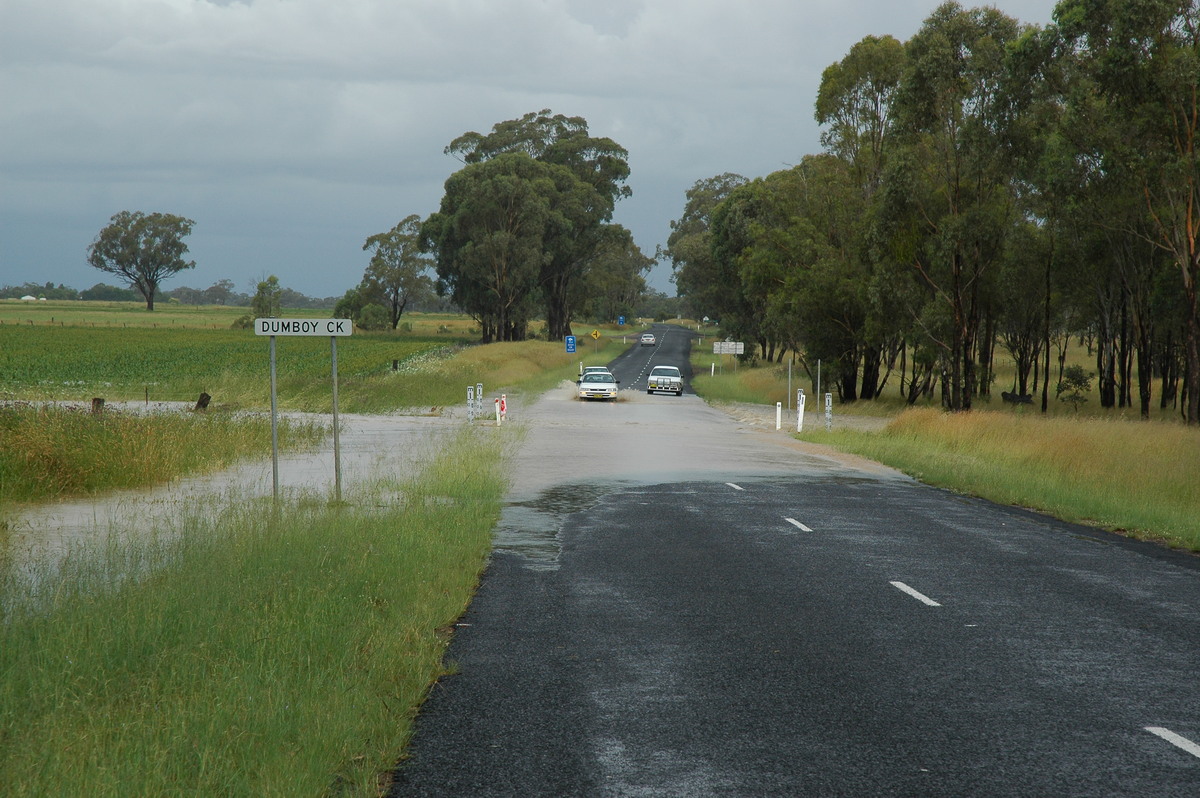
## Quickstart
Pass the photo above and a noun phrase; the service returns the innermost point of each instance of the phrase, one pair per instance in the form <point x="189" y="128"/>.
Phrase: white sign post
<point x="800" y="410"/>
<point x="828" y="412"/>
<point x="334" y="328"/>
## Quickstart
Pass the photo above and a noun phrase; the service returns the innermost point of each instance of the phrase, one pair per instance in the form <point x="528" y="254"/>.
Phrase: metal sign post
<point x="274" y="430"/>
<point x="337" y="446"/>
<point x="334" y="328"/>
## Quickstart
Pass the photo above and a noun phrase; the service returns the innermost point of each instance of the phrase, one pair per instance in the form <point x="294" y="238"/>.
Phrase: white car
<point x="598" y="385"/>
<point x="665" y="378"/>
<point x="590" y="369"/>
<point x="647" y="339"/>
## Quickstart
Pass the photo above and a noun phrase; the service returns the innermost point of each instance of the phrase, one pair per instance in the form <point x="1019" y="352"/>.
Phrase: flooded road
<point x="574" y="453"/>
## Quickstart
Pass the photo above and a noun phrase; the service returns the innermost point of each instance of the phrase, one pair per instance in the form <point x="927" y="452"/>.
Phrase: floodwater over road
<point x="574" y="453"/>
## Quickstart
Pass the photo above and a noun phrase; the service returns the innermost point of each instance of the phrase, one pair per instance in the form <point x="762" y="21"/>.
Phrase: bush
<point x="1074" y="386"/>
<point x="374" y="317"/>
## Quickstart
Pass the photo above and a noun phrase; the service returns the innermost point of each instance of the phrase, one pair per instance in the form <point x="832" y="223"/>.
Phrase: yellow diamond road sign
<point x="596" y="334"/>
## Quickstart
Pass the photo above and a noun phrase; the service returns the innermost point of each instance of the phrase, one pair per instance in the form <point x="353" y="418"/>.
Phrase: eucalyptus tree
<point x="788" y="242"/>
<point x="488" y="239"/>
<point x="740" y="304"/>
<point x="142" y="249"/>
<point x="804" y="257"/>
<point x="1020" y="287"/>
<point x="855" y="104"/>
<point x="1144" y="59"/>
<point x="689" y="246"/>
<point x="616" y="281"/>
<point x="599" y="164"/>
<point x="949" y="201"/>
<point x="397" y="269"/>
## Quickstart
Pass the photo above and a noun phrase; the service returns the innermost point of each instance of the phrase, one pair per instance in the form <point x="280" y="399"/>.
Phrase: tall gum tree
<point x="689" y="246"/>
<point x="142" y="249"/>
<point x="854" y="105"/>
<point x="1144" y="60"/>
<point x="397" y="270"/>
<point x="949" y="197"/>
<point x="489" y="238"/>
<point x="598" y="163"/>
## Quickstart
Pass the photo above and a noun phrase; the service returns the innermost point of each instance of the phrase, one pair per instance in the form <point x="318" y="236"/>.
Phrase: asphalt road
<point x="679" y="605"/>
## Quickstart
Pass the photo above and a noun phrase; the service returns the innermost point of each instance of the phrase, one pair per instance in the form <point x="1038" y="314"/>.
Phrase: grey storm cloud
<point x="291" y="130"/>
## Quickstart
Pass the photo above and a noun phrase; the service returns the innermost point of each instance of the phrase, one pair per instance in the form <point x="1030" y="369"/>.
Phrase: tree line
<point x="222" y="292"/>
<point x="984" y="184"/>
<point x="523" y="232"/>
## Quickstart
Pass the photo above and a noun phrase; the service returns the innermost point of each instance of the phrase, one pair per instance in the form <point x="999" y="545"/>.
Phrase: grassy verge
<point x="51" y="452"/>
<point x="1135" y="477"/>
<point x="259" y="653"/>
<point x="1101" y="467"/>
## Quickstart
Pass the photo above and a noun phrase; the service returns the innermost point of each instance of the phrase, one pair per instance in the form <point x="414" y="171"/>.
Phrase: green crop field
<point x="73" y="351"/>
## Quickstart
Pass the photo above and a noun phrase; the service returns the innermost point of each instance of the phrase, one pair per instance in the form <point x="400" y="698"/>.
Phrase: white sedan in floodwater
<point x="598" y="385"/>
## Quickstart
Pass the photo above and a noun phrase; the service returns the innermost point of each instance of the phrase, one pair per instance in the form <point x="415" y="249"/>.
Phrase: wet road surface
<point x="680" y="604"/>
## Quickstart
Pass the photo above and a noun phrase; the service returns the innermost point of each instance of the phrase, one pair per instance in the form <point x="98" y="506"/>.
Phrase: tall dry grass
<point x="53" y="451"/>
<point x="1139" y="477"/>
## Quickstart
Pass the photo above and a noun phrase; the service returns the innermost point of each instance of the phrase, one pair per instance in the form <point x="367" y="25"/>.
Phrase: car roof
<point x="664" y="368"/>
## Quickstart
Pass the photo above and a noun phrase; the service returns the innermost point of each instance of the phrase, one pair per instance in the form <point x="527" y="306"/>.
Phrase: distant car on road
<point x="648" y="339"/>
<point x="597" y="385"/>
<point x="665" y="378"/>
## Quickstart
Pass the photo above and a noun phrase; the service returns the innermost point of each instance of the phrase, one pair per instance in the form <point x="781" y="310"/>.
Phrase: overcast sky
<point x="291" y="130"/>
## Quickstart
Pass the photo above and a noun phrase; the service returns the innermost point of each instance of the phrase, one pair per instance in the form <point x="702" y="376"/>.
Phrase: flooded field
<point x="372" y="447"/>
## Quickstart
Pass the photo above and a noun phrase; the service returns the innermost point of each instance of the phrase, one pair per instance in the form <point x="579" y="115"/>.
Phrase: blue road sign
<point x="621" y="320"/>
<point x="570" y="339"/>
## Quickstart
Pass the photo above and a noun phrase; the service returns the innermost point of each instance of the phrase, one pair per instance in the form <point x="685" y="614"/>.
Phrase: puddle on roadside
<point x="531" y="528"/>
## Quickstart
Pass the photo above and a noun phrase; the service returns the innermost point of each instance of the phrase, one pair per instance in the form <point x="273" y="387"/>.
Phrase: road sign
<point x="595" y="335"/>
<point x="570" y="339"/>
<point x="334" y="328"/>
<point x="303" y="327"/>
<point x="621" y="320"/>
<point x="729" y="347"/>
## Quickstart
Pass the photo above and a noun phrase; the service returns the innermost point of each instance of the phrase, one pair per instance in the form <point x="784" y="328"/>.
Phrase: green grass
<point x="52" y="452"/>
<point x="251" y="652"/>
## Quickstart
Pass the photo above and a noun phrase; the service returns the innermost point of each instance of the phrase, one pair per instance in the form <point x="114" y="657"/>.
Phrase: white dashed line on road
<point x="921" y="597"/>
<point x="797" y="524"/>
<point x="1175" y="740"/>
<point x="735" y="487"/>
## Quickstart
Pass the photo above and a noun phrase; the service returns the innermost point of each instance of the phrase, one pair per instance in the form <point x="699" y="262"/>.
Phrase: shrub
<point x="1074" y="386"/>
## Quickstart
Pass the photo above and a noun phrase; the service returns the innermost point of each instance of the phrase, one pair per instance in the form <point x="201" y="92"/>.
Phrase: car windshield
<point x="665" y="371"/>
<point x="597" y="377"/>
